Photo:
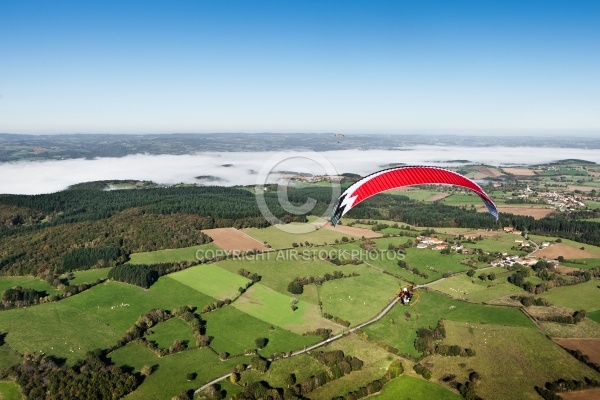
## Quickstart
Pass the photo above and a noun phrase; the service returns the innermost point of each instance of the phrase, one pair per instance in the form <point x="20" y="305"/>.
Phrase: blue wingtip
<point x="492" y="209"/>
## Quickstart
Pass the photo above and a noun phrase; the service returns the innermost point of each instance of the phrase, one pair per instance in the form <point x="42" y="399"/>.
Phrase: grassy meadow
<point x="89" y="275"/>
<point x="211" y="280"/>
<point x="528" y="358"/>
<point x="96" y="318"/>
<point x="576" y="297"/>
<point x="278" y="268"/>
<point x="275" y="308"/>
<point x="408" y="387"/>
<point x="8" y="282"/>
<point x="475" y="290"/>
<point x="358" y="299"/>
<point x="165" y="333"/>
<point x="9" y="391"/>
<point x="280" y="239"/>
<point x="170" y="372"/>
<point x="192" y="253"/>
<point x="303" y="366"/>
<point x="398" y="327"/>
<point x="234" y="331"/>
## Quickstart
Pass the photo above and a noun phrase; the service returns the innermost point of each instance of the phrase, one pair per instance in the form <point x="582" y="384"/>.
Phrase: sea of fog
<point x="250" y="168"/>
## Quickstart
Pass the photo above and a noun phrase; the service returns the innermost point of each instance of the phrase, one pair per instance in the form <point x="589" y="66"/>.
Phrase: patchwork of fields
<point x="99" y="317"/>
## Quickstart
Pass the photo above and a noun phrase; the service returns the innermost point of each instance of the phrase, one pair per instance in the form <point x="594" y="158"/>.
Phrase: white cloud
<point x="51" y="176"/>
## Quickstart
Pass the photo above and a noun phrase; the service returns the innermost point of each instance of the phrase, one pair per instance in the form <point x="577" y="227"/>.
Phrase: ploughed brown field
<point x="582" y="188"/>
<point x="535" y="212"/>
<point x="519" y="171"/>
<point x="230" y="239"/>
<point x="486" y="172"/>
<point x="588" y="394"/>
<point x="565" y="270"/>
<point x="568" y="252"/>
<point x="475" y="233"/>
<point x="589" y="347"/>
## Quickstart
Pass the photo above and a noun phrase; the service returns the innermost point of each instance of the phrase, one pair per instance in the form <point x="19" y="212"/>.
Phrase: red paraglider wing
<point x="404" y="176"/>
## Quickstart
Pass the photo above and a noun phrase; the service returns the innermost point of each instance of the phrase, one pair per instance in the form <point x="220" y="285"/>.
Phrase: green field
<point x="582" y="263"/>
<point x="279" y="239"/>
<point x="211" y="280"/>
<point x="358" y="299"/>
<point x="95" y="318"/>
<point x="173" y="255"/>
<point x="461" y="199"/>
<point x="510" y="360"/>
<point x="588" y="328"/>
<point x="170" y="375"/>
<point x="387" y="261"/>
<point x="399" y="330"/>
<point x="408" y="388"/>
<point x="303" y="366"/>
<point x="7" y="282"/>
<point x="475" y="290"/>
<point x="428" y="261"/>
<point x="584" y="295"/>
<point x="278" y="268"/>
<point x="9" y="391"/>
<point x="234" y="331"/>
<point x="8" y="356"/>
<point x="594" y="316"/>
<point x="89" y="276"/>
<point x="498" y="243"/>
<point x="274" y="308"/>
<point x="592" y="205"/>
<point x="165" y="333"/>
<point x="376" y="362"/>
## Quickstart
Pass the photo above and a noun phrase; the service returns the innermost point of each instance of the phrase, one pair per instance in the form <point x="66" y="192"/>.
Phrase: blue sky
<point x="475" y="67"/>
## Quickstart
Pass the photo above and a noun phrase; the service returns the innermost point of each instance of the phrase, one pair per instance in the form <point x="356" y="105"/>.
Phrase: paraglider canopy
<point x="393" y="178"/>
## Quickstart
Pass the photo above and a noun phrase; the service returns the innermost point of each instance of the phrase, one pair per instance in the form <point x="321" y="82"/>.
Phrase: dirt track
<point x="230" y="239"/>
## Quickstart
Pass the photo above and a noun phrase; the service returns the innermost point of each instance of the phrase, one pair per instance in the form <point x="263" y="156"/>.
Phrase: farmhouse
<point x="426" y="242"/>
<point x="430" y="241"/>
<point x="509" y="261"/>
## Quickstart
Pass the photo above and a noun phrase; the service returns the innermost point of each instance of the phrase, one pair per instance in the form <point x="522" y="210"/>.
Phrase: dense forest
<point x="95" y="377"/>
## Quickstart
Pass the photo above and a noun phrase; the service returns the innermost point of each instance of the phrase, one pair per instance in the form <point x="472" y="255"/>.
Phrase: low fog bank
<point x="245" y="168"/>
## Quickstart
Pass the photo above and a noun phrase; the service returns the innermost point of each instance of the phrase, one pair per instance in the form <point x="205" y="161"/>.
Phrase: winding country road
<point x="314" y="346"/>
<point x="355" y="328"/>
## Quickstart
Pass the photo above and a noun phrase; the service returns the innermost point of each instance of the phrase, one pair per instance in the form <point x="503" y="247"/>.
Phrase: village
<point x="507" y="260"/>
